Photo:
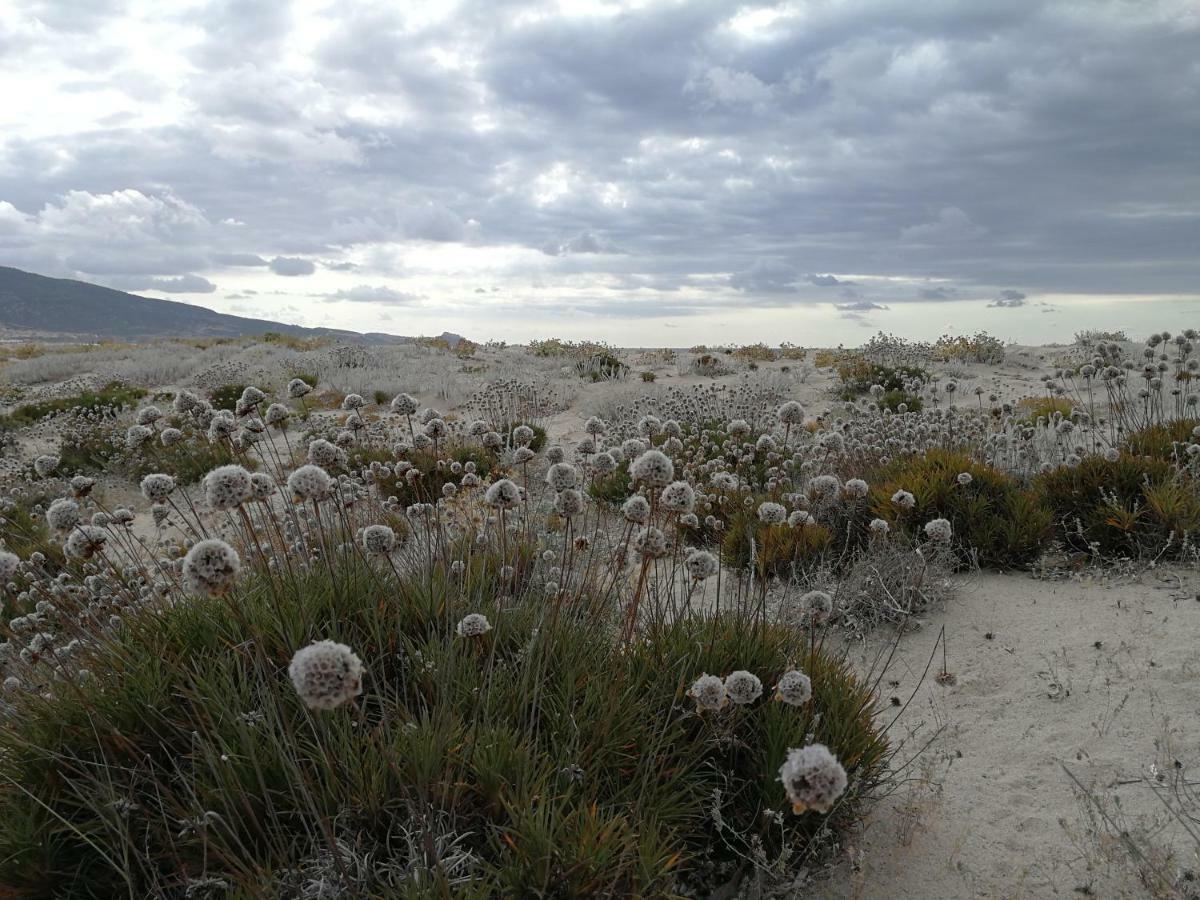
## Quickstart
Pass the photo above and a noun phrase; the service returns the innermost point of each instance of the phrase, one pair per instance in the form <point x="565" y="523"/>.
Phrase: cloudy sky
<point x="643" y="172"/>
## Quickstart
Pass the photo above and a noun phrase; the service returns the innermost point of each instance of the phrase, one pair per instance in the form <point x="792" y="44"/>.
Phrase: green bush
<point x="114" y="395"/>
<point x="427" y="488"/>
<point x="227" y="396"/>
<point x="1130" y="505"/>
<point x="779" y="550"/>
<point x="858" y="375"/>
<point x="616" y="487"/>
<point x="996" y="521"/>
<point x="601" y="366"/>
<point x="539" y="434"/>
<point x="892" y="400"/>
<point x="543" y="753"/>
<point x="1159" y="441"/>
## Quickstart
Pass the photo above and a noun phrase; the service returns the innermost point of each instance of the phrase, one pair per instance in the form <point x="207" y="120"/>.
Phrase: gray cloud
<point x="973" y="145"/>
<point x="1008" y="299"/>
<point x="860" y="306"/>
<point x="367" y="294"/>
<point x="291" y="266"/>
<point x="238" y="259"/>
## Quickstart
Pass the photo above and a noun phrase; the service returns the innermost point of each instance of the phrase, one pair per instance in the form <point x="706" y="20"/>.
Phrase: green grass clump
<point x="114" y="395"/>
<point x="616" y="487"/>
<point x="227" y="396"/>
<point x="858" y="375"/>
<point x="1034" y="408"/>
<point x="540" y="757"/>
<point x="778" y="550"/>
<point x="24" y="532"/>
<point x="1161" y="440"/>
<point x="997" y="522"/>
<point x="427" y="488"/>
<point x="1128" y="506"/>
<point x="101" y="448"/>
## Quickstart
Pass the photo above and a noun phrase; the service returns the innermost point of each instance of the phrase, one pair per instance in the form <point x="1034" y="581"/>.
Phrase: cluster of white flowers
<point x="678" y="497"/>
<point x="743" y="687"/>
<point x="653" y="468"/>
<point x="85" y="541"/>
<point x="63" y="514"/>
<point x="227" y="487"/>
<point x="210" y="568"/>
<point x="157" y="487"/>
<point x="813" y="778"/>
<point x="378" y="540"/>
<point x="326" y="674"/>
<point x="473" y="625"/>
<point x="702" y="564"/>
<point x="794" y="688"/>
<point x="502" y="494"/>
<point x="938" y="530"/>
<point x="771" y="513"/>
<point x="310" y="482"/>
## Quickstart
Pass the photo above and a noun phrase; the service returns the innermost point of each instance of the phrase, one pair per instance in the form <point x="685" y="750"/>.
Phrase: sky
<point x="645" y="173"/>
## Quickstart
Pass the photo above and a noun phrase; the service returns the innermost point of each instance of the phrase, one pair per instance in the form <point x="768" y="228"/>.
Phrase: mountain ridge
<point x="38" y="306"/>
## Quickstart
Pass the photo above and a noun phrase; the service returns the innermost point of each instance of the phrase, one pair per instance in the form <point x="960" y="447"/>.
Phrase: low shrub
<point x="996" y="522"/>
<point x="227" y="396"/>
<point x="1163" y="441"/>
<point x="1131" y="505"/>
<point x="858" y="375"/>
<point x="541" y="753"/>
<point x="601" y="366"/>
<point x="773" y="550"/>
<point x="111" y="398"/>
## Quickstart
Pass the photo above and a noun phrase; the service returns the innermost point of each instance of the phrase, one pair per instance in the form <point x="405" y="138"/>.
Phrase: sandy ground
<point x="1094" y="673"/>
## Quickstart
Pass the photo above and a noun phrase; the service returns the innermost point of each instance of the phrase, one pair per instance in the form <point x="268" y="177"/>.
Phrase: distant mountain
<point x="37" y="306"/>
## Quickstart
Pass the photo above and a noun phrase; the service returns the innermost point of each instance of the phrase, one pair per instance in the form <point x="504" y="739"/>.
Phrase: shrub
<point x="23" y="530"/>
<point x="1033" y="408"/>
<point x="187" y="756"/>
<point x="710" y="365"/>
<point x="980" y="347"/>
<point x="616" y="487"/>
<point x="1162" y="441"/>
<point x="892" y="400"/>
<point x="111" y="398"/>
<point x="648" y="376"/>
<point x="427" y="488"/>
<point x="995" y="521"/>
<point x="227" y="396"/>
<point x="755" y="353"/>
<point x="1131" y="505"/>
<point x="539" y="434"/>
<point x="778" y="550"/>
<point x="601" y="366"/>
<point x="858" y="375"/>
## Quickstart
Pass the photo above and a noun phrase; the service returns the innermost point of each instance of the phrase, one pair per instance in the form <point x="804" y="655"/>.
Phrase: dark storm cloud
<point x="653" y="150"/>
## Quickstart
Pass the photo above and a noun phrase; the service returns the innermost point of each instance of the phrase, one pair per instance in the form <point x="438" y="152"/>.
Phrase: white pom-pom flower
<point x="813" y="778"/>
<point x="326" y="674"/>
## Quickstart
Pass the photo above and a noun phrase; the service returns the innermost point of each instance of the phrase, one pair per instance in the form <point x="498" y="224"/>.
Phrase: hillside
<point x="37" y="306"/>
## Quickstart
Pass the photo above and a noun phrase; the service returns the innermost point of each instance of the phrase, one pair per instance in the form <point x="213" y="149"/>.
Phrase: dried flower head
<point x="709" y="693"/>
<point x="326" y="674"/>
<point x="743" y="687"/>
<point x="227" y="487"/>
<point x="653" y="468"/>
<point x="813" y="778"/>
<point x="310" y="482"/>
<point x="794" y="688"/>
<point x="473" y="625"/>
<point x="210" y="567"/>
